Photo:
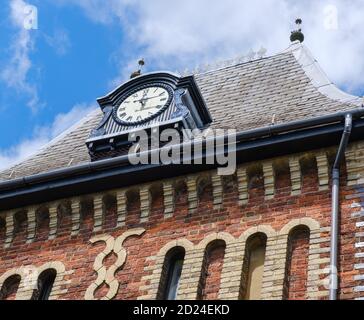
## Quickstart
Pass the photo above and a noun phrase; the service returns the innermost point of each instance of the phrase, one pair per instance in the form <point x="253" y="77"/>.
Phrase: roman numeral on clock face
<point x="142" y="104"/>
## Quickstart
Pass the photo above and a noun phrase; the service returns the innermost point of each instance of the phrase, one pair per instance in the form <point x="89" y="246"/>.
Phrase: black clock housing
<point x="185" y="109"/>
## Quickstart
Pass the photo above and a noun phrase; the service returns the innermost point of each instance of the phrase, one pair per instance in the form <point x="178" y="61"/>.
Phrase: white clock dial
<point x="143" y="104"/>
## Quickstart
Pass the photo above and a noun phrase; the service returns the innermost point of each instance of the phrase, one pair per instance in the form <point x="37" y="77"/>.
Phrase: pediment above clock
<point x="155" y="99"/>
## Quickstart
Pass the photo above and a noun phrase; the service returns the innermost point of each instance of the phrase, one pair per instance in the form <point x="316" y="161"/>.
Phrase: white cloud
<point x="44" y="134"/>
<point x="15" y="72"/>
<point x="185" y="33"/>
<point x="59" y="41"/>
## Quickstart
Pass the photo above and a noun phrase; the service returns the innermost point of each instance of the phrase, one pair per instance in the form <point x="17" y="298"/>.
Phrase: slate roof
<point x="289" y="86"/>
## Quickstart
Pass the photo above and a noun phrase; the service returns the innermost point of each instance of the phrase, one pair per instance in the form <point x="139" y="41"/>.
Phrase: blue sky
<point x="50" y="77"/>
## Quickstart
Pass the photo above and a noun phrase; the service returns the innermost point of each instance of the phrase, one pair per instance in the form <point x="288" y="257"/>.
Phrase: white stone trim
<point x="318" y="77"/>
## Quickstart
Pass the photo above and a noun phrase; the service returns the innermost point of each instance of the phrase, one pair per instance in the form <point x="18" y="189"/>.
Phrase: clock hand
<point x="144" y="99"/>
<point x="144" y="109"/>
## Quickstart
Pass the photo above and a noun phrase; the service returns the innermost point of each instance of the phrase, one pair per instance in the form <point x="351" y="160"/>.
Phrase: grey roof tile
<point x="243" y="96"/>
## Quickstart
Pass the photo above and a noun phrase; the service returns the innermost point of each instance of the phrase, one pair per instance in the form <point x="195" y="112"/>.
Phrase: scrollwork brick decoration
<point x="105" y="275"/>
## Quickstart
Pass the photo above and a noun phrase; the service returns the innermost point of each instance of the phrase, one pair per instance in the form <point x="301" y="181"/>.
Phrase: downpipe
<point x="335" y="207"/>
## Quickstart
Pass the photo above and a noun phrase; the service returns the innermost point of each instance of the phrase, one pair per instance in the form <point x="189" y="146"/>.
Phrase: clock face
<point x="143" y="105"/>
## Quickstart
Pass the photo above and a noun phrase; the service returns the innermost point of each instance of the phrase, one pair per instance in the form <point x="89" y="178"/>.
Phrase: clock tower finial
<point x="135" y="74"/>
<point x="297" y="34"/>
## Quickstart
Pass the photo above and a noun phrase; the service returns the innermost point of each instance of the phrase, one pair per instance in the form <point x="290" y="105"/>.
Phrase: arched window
<point x="45" y="285"/>
<point x="295" y="282"/>
<point x="171" y="274"/>
<point x="209" y="284"/>
<point x="253" y="267"/>
<point x="10" y="288"/>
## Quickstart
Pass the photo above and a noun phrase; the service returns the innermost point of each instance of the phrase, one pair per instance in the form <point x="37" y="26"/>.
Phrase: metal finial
<point x="137" y="73"/>
<point x="297" y="34"/>
<point x="141" y="63"/>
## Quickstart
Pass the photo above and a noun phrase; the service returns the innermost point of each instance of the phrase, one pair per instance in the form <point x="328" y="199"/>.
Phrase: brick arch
<point x="212" y="264"/>
<point x="159" y="259"/>
<point x="29" y="277"/>
<point x="234" y="260"/>
<point x="252" y="274"/>
<point x="277" y="262"/>
<point x="223" y="236"/>
<point x="186" y="244"/>
<point x="191" y="273"/>
<point x="170" y="257"/>
<point x="10" y="287"/>
<point x="59" y="280"/>
<point x="21" y="293"/>
<point x="312" y="224"/>
<point x="267" y="230"/>
<point x="296" y="272"/>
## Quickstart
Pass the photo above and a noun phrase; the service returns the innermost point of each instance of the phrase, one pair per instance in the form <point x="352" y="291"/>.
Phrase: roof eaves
<point x="55" y="140"/>
<point x="319" y="78"/>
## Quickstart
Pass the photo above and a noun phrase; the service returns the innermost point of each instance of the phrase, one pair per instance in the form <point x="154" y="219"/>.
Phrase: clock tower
<point x="160" y="99"/>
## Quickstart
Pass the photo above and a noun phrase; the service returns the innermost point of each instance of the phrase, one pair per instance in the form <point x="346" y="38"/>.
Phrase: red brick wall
<point x="212" y="268"/>
<point x="297" y="265"/>
<point x="78" y="254"/>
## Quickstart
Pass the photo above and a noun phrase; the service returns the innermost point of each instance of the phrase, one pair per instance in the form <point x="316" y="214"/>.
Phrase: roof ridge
<point x="319" y="78"/>
<point x="238" y="63"/>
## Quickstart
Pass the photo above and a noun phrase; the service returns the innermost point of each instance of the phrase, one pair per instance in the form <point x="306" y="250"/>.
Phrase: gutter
<point x="256" y="144"/>
<point x="335" y="207"/>
<point x="123" y="160"/>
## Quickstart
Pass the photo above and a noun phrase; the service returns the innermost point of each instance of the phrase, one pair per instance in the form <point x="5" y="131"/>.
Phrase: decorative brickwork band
<point x="323" y="170"/>
<point x="192" y="194"/>
<point x="121" y="207"/>
<point x="32" y="225"/>
<point x="98" y="212"/>
<point x="9" y="219"/>
<point x="168" y="192"/>
<point x="296" y="180"/>
<point x="355" y="163"/>
<point x="145" y="203"/>
<point x="76" y="216"/>
<point x="53" y="220"/>
<point x="268" y="180"/>
<point x="217" y="190"/>
<point x="242" y="185"/>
